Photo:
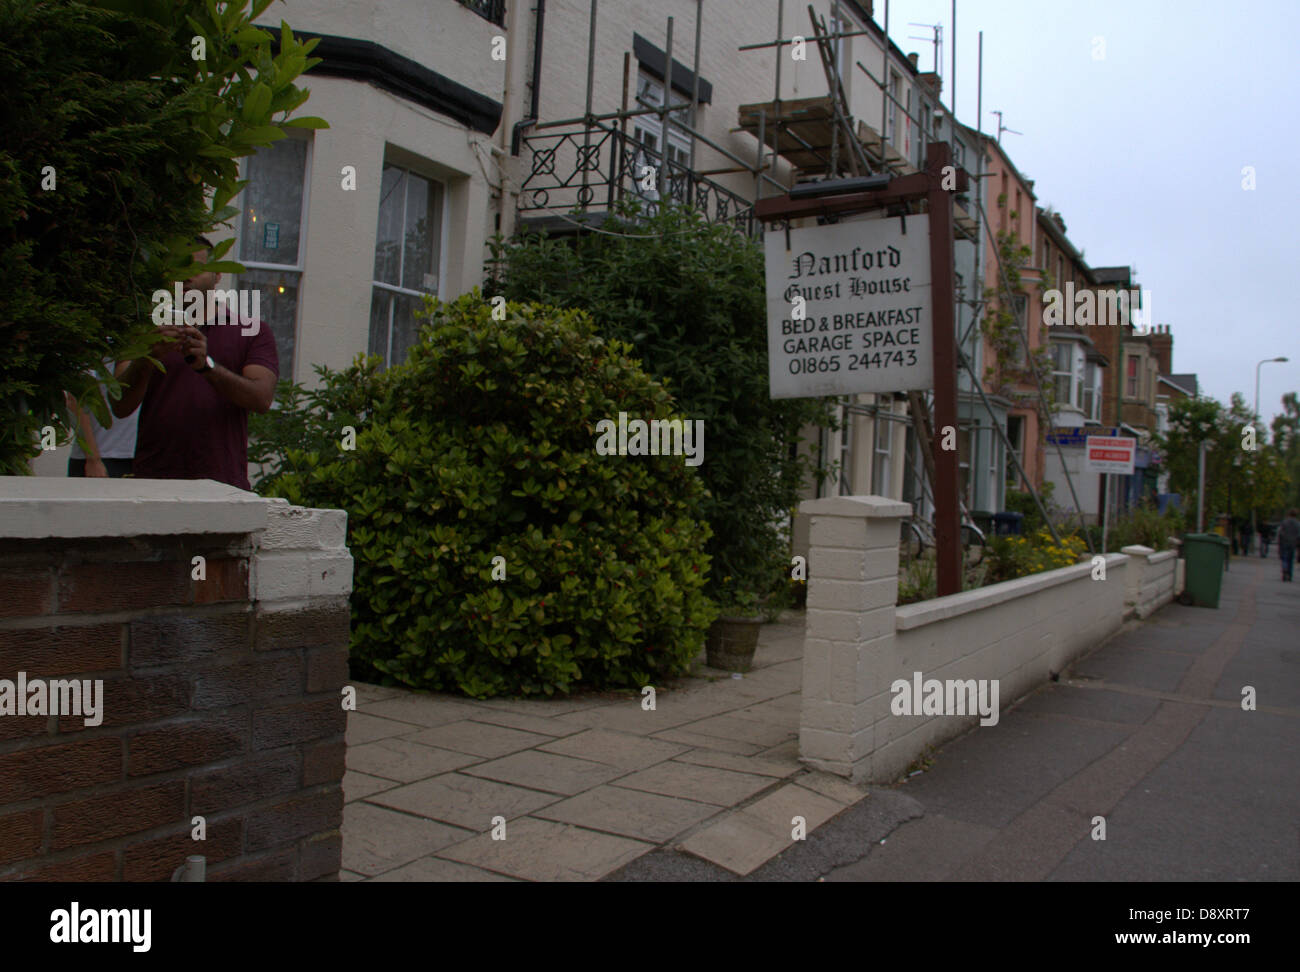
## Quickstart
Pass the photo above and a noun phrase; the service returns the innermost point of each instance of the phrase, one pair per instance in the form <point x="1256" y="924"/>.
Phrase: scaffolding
<point x="816" y="136"/>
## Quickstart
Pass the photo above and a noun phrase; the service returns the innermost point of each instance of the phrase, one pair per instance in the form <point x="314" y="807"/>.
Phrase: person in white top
<point x="109" y="451"/>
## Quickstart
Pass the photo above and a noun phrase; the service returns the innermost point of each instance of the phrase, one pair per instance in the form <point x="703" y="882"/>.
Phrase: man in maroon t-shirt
<point x="194" y="417"/>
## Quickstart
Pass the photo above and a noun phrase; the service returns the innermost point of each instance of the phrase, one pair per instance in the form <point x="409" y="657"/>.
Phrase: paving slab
<point x="618" y="749"/>
<point x="543" y="850"/>
<point x="546" y="708"/>
<point x="778" y="809"/>
<point x="363" y="728"/>
<point x="546" y="771"/>
<point x="706" y="784"/>
<point x="629" y="813"/>
<point x="435" y="869"/>
<point x="478" y="739"/>
<point x="543" y="725"/>
<point x="423" y="710"/>
<point x="465" y="801"/>
<point x="403" y="760"/>
<point x="377" y="840"/>
<point x="367" y="693"/>
<point x="737" y="842"/>
<point x="358" y="785"/>
<point x="710" y="743"/>
<point x="836" y="787"/>
<point x="756" y="765"/>
<point x="630" y="717"/>
<point x="742" y="730"/>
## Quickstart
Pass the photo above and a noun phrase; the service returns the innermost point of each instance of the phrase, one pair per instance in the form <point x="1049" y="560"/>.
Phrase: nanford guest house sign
<point x="849" y="309"/>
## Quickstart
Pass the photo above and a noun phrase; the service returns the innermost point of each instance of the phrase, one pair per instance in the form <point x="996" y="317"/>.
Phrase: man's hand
<point x="170" y="338"/>
<point x="95" y="468"/>
<point x="194" y="345"/>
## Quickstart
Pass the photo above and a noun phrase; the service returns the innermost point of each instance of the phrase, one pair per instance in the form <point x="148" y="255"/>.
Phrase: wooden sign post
<point x="936" y="185"/>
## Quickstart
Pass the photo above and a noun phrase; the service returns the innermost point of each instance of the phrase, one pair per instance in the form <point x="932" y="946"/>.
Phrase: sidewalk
<point x="1148" y="732"/>
<point x="585" y="785"/>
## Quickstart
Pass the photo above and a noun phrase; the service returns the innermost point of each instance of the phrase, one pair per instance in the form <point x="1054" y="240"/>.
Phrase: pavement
<point x="1147" y="732"/>
<point x="580" y="787"/>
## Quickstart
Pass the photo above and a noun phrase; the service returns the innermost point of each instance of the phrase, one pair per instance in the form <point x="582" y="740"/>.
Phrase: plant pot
<point x="731" y="642"/>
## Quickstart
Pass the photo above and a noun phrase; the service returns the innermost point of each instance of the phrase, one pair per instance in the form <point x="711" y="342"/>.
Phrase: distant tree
<point x="1235" y="478"/>
<point x="1286" y="439"/>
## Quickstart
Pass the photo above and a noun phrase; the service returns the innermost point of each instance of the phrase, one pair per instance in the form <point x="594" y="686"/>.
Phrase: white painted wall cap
<point x="865" y="506"/>
<point x="39" y="507"/>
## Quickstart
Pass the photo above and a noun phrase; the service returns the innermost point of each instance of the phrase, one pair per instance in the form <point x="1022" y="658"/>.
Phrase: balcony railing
<point x="595" y="167"/>
<point x="491" y="10"/>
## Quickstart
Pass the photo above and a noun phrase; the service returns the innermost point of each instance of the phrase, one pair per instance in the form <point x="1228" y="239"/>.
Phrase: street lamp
<point x="1253" y="525"/>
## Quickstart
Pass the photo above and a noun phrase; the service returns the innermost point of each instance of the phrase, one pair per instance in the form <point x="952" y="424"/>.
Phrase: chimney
<point x="915" y="58"/>
<point x="932" y="81"/>
<point x="1162" y="348"/>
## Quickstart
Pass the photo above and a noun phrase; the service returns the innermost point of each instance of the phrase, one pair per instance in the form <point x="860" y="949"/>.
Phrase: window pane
<point x="380" y="302"/>
<point x="406" y="329"/>
<point x="420" y="262"/>
<point x="271" y="219"/>
<point x="277" y="307"/>
<point x="388" y="237"/>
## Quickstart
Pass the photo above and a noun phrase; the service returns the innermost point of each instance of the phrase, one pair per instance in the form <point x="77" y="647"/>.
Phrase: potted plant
<point x="734" y="636"/>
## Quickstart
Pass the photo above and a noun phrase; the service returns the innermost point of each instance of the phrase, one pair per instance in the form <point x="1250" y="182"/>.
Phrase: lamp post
<point x="1254" y="469"/>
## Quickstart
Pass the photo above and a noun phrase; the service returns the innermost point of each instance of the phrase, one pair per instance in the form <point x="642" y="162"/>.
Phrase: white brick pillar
<point x="1137" y="572"/>
<point x="849" y="638"/>
<point x="301" y="556"/>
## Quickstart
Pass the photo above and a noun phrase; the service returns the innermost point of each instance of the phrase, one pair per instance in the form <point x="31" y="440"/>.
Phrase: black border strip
<point x="363" y="60"/>
<point x="655" y="61"/>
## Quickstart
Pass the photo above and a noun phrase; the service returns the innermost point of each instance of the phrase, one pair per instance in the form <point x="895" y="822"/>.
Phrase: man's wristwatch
<point x="207" y="366"/>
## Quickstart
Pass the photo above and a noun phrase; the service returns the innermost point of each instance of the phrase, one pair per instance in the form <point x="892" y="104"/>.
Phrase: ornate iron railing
<point x="593" y="168"/>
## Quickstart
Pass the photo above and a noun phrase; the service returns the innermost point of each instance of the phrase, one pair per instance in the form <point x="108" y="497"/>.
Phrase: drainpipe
<point x="517" y="134"/>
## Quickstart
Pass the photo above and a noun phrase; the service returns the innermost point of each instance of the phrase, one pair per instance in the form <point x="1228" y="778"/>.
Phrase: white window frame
<point x="299" y="267"/>
<point x="1063" y="370"/>
<point x="675" y="141"/>
<point x="436" y="292"/>
<point x="881" y="458"/>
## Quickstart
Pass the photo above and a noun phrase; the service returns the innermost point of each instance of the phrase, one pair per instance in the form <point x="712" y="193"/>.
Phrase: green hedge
<point x="482" y="444"/>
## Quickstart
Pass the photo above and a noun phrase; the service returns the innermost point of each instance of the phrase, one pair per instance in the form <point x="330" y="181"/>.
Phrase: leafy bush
<point x="303" y="421"/>
<point x="1011" y="556"/>
<point x="483" y="445"/>
<point x="689" y="297"/>
<point x="112" y="136"/>
<point x="1143" y="525"/>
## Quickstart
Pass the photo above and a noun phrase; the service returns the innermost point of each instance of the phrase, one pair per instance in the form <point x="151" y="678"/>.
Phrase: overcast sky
<point x="1142" y="151"/>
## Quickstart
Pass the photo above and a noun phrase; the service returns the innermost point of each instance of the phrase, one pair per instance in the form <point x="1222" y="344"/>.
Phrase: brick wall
<point x="218" y="701"/>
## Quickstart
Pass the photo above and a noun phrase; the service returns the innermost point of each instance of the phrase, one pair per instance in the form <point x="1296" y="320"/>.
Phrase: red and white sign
<point x="1110" y="454"/>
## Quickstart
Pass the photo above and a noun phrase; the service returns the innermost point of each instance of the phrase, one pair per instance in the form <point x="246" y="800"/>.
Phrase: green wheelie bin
<point x="1207" y="556"/>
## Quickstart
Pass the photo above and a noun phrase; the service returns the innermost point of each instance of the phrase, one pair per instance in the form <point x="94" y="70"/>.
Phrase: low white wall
<point x="1154" y="580"/>
<point x="1011" y="636"/>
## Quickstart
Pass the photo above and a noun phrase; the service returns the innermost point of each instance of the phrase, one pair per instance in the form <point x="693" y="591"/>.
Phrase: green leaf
<point x="257" y="103"/>
<point x="306" y="121"/>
